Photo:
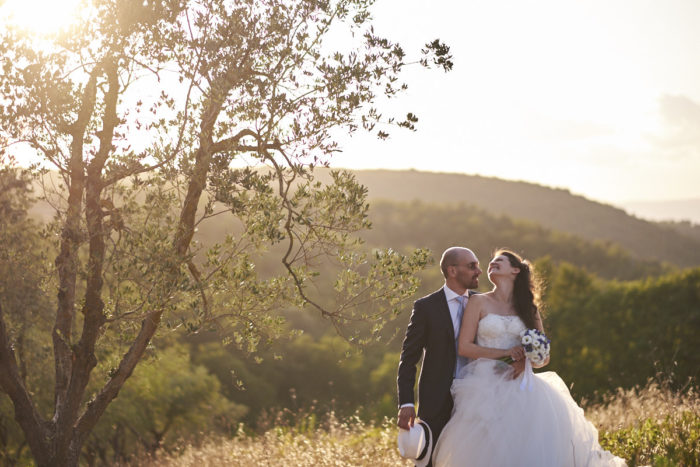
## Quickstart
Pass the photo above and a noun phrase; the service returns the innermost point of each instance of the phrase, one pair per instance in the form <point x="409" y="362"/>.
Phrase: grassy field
<point x="646" y="426"/>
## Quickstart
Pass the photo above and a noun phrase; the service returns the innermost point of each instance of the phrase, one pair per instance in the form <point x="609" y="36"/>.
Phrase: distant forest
<point x="420" y="225"/>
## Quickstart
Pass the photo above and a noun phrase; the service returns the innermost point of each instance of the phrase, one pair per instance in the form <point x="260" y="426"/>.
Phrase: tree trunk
<point x="67" y="455"/>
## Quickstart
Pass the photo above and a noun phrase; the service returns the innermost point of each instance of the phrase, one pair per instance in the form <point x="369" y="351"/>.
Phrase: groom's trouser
<point x="438" y="421"/>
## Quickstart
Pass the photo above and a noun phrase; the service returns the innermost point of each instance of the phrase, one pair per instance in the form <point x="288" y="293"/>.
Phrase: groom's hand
<point x="518" y="367"/>
<point x="407" y="416"/>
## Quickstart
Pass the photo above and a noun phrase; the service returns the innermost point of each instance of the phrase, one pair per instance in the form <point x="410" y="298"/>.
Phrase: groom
<point x="432" y="334"/>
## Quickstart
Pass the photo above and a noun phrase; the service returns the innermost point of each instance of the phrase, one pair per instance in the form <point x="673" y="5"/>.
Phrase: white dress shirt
<point x="453" y="303"/>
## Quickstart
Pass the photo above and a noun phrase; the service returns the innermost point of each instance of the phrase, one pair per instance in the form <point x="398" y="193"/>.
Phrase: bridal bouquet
<point x="536" y="346"/>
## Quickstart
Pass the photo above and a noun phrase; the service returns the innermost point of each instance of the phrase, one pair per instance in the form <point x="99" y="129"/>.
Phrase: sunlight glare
<point x="40" y="17"/>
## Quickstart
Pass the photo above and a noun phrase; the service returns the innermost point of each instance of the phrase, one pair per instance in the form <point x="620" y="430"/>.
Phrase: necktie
<point x="461" y="361"/>
<point x="460" y="311"/>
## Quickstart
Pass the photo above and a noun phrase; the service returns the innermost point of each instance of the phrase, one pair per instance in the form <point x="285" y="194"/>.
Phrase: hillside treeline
<point x="556" y="209"/>
<point x="435" y="226"/>
<point x="404" y="226"/>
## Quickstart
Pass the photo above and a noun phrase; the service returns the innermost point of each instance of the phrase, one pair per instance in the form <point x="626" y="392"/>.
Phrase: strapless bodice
<point x="499" y="331"/>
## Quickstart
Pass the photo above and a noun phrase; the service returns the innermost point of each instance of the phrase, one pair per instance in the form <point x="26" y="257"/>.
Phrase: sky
<point x="600" y="97"/>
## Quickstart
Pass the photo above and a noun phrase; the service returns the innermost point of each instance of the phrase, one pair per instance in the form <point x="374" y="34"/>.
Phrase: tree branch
<point x="96" y="407"/>
<point x="26" y="415"/>
<point x="66" y="262"/>
<point x="93" y="308"/>
<point x="288" y="227"/>
<point x="230" y="144"/>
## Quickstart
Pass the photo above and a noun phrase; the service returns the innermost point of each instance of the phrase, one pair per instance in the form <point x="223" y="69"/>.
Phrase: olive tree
<point x="154" y="117"/>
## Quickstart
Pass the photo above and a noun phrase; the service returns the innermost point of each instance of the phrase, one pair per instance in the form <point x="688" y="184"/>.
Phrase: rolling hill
<point x="554" y="209"/>
<point x="678" y="210"/>
<point x="404" y="225"/>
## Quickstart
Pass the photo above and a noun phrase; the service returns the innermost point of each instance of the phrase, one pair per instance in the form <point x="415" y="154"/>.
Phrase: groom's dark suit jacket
<point x="430" y="331"/>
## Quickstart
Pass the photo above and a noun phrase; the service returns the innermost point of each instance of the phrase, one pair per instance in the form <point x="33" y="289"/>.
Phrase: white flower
<point x="536" y="343"/>
<point x="527" y="339"/>
<point x="534" y="358"/>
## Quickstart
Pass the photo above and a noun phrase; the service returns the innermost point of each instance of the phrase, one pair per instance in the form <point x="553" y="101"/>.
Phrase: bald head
<point x="460" y="266"/>
<point x="455" y="255"/>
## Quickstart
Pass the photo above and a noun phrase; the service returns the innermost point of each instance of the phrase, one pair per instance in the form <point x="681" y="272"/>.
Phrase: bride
<point x="500" y="420"/>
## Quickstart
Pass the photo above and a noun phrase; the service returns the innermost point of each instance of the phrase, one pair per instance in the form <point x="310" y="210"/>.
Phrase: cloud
<point x="680" y="110"/>
<point x="576" y="130"/>
<point x="680" y="116"/>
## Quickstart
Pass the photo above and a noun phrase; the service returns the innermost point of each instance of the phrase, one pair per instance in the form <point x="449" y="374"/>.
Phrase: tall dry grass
<point x="655" y="401"/>
<point x="652" y="425"/>
<point x="335" y="443"/>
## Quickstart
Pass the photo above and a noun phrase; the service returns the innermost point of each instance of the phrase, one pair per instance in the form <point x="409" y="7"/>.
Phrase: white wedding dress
<point x="499" y="422"/>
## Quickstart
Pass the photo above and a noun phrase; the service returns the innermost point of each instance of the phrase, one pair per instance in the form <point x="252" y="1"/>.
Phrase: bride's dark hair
<point x="525" y="289"/>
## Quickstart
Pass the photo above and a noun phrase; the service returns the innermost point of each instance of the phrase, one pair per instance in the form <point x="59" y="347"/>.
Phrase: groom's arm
<point x="518" y="367"/>
<point x="411" y="353"/>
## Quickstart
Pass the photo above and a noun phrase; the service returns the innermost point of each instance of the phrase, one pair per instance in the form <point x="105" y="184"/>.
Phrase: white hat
<point x="417" y="443"/>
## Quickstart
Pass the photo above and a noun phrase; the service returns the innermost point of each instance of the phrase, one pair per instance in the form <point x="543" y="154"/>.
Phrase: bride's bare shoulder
<point x="483" y="302"/>
<point x="480" y="300"/>
<point x="482" y="297"/>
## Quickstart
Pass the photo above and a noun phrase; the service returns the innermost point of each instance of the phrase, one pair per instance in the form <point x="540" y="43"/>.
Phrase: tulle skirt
<point x="499" y="422"/>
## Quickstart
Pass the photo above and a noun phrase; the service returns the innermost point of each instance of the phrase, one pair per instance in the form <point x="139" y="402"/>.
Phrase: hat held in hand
<point x="416" y="443"/>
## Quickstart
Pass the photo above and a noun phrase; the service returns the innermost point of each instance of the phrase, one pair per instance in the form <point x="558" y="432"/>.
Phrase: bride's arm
<point x="467" y="334"/>
<point x="540" y="327"/>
